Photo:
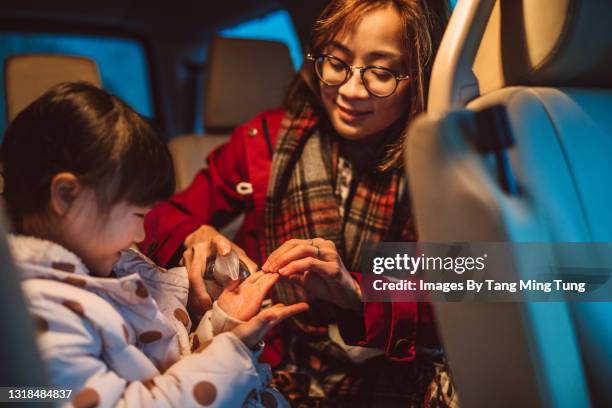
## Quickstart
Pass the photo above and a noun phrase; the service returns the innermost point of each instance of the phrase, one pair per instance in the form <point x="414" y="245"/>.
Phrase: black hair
<point x="81" y="129"/>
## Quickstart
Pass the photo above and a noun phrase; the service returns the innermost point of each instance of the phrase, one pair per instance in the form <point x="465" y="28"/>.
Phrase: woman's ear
<point x="65" y="188"/>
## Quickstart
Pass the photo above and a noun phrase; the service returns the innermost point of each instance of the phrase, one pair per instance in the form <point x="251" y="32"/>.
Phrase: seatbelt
<point x="493" y="135"/>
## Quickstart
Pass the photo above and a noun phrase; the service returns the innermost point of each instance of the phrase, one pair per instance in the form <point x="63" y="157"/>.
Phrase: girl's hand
<point x="244" y="301"/>
<point x="317" y="265"/>
<point x="199" y="245"/>
<point x="256" y="328"/>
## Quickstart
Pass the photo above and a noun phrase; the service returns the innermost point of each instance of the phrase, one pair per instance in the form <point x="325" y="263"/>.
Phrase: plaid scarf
<point x="301" y="203"/>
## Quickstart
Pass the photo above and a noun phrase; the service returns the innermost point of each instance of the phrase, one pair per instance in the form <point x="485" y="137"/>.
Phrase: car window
<point x="122" y="63"/>
<point x="275" y="26"/>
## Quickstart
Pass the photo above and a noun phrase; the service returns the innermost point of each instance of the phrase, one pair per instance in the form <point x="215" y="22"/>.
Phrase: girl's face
<point x="98" y="238"/>
<point x="374" y="40"/>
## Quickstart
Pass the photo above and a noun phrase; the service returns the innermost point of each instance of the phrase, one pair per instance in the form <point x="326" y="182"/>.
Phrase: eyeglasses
<point x="378" y="81"/>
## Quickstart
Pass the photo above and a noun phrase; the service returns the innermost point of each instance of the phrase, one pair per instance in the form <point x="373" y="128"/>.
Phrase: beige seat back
<point x="243" y="78"/>
<point x="189" y="154"/>
<point x="28" y="76"/>
<point x="539" y="72"/>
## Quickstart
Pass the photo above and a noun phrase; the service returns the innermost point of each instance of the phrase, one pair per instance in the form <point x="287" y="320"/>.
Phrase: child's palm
<point x="243" y="301"/>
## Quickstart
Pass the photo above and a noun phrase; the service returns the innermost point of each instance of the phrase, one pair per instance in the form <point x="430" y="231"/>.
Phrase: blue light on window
<point x="276" y="26"/>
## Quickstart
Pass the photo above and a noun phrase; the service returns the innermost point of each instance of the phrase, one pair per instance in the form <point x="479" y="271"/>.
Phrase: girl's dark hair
<point x="423" y="23"/>
<point x="81" y="129"/>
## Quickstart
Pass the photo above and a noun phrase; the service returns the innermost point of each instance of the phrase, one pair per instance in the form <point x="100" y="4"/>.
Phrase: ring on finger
<point x="318" y="252"/>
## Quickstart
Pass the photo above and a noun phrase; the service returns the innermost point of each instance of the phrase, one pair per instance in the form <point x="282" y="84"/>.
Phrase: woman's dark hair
<point x="81" y="129"/>
<point x="423" y="22"/>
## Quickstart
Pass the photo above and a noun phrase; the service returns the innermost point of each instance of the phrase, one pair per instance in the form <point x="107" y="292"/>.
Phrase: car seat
<point x="28" y="76"/>
<point x="243" y="78"/>
<point x="515" y="147"/>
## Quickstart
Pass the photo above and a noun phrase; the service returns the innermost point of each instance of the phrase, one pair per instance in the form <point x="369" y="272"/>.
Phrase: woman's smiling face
<point x="374" y="40"/>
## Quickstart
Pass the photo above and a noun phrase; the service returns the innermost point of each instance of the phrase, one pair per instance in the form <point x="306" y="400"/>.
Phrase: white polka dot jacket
<point x="125" y="341"/>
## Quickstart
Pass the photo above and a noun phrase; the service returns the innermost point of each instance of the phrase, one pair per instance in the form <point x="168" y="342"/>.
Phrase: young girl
<point x="81" y="171"/>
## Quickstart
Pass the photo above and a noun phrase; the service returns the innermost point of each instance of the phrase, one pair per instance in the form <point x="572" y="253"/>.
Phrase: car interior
<point x="514" y="147"/>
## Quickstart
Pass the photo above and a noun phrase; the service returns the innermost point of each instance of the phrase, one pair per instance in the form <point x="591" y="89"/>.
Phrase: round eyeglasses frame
<point x="349" y="73"/>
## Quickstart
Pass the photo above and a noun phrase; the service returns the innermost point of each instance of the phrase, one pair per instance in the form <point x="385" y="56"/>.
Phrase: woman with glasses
<point x="325" y="180"/>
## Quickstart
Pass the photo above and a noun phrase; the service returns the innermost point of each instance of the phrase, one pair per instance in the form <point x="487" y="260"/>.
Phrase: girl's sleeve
<point x="210" y="199"/>
<point x="215" y="321"/>
<point x="222" y="374"/>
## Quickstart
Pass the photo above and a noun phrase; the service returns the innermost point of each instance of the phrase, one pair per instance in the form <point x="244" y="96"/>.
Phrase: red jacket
<point x="213" y="199"/>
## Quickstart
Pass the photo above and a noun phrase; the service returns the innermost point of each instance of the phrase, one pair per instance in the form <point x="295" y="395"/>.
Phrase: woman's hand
<point x="256" y="328"/>
<point x="199" y="245"/>
<point x="317" y="265"/>
<point x="244" y="301"/>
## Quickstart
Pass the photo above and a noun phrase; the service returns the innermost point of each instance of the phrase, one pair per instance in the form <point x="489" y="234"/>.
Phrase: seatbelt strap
<point x="493" y="135"/>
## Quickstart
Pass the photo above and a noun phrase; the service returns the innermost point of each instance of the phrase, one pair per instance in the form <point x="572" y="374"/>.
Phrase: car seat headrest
<point x="243" y="78"/>
<point x="545" y="43"/>
<point x="556" y="42"/>
<point x="28" y="76"/>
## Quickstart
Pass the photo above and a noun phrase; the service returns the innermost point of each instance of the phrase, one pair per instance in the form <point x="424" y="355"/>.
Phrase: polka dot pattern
<point x="126" y="333"/>
<point x="41" y="325"/>
<point x="150" y="336"/>
<point x="141" y="290"/>
<point x="87" y="398"/>
<point x="75" y="281"/>
<point x="195" y="343"/>
<point x="181" y="316"/>
<point x="75" y="306"/>
<point x="205" y="393"/>
<point x="63" y="266"/>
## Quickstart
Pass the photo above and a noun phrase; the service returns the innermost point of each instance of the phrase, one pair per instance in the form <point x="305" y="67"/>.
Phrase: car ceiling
<point x="178" y="20"/>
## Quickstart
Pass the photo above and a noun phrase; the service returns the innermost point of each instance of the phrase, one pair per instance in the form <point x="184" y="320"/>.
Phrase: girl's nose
<point x="354" y="88"/>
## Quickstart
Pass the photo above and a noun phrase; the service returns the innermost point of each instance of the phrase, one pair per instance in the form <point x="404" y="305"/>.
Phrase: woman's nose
<point x="354" y="88"/>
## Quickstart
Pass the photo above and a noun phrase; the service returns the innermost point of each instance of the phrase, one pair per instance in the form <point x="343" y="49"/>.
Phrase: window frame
<point x="35" y="26"/>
